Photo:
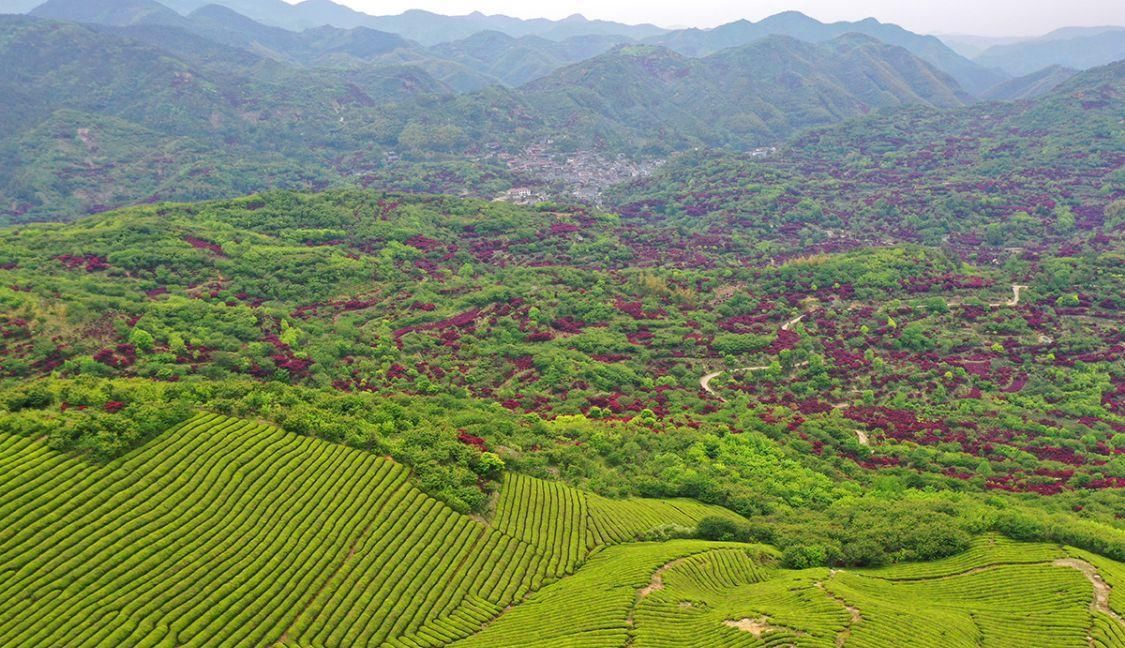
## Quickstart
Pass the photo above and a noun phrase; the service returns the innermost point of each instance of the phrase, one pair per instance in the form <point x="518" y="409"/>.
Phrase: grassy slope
<point x="225" y="531"/>
<point x="230" y="531"/>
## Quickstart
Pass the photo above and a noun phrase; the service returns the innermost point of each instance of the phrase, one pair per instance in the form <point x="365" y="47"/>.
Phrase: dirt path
<point x="854" y="614"/>
<point x="862" y="437"/>
<point x="657" y="582"/>
<point x="1017" y="291"/>
<point x="759" y="626"/>
<point x="1101" y="588"/>
<point x="793" y="322"/>
<point x="705" y="382"/>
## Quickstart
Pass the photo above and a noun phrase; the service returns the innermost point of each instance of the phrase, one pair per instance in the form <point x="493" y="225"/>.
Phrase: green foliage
<point x="804" y="556"/>
<point x="722" y="530"/>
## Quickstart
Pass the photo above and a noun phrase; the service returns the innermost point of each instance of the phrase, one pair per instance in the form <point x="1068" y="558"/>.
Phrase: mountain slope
<point x="18" y="6"/>
<point x="417" y="25"/>
<point x="656" y="99"/>
<point x="234" y="501"/>
<point x="1080" y="52"/>
<point x="699" y="42"/>
<point x="1032" y="85"/>
<point x="252" y="120"/>
<point x="515" y="61"/>
<point x="109" y="12"/>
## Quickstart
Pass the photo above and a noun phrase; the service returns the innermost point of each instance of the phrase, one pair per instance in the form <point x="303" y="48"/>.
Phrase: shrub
<point x="863" y="553"/>
<point x="666" y="532"/>
<point x="1019" y="526"/>
<point x="722" y="529"/>
<point x="30" y="397"/>
<point x="933" y="541"/>
<point x="490" y="465"/>
<point x="804" y="557"/>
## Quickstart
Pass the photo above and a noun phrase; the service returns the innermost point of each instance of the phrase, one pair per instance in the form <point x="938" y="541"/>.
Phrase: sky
<point x="978" y="17"/>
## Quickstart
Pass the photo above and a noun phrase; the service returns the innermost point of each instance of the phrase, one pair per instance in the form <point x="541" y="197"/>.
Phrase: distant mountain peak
<point x="790" y="17"/>
<point x="697" y="43"/>
<point x="119" y="13"/>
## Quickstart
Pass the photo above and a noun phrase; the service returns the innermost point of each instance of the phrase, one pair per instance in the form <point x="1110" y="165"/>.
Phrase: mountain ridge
<point x="693" y="100"/>
<point x="1073" y="48"/>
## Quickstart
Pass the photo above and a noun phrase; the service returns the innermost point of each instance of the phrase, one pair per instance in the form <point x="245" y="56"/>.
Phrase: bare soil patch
<point x="756" y="627"/>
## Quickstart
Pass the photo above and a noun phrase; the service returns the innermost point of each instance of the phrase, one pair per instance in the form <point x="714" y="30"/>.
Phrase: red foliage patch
<point x="1018" y="384"/>
<point x="423" y="243"/>
<point x="201" y="244"/>
<point x="784" y="341"/>
<point x="470" y="440"/>
<point x="1061" y="455"/>
<point x="91" y="262"/>
<point x="642" y="337"/>
<point x="562" y="229"/>
<point x="464" y="320"/>
<point x="119" y="357"/>
<point x="568" y="325"/>
<point x="284" y="358"/>
<point x="636" y="310"/>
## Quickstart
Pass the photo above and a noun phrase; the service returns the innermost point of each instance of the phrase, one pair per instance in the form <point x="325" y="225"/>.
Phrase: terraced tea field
<point x="230" y="532"/>
<point x="686" y="593"/>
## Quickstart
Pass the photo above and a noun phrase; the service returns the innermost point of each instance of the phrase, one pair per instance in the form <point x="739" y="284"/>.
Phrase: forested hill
<point x="650" y="98"/>
<point x="92" y="110"/>
<point x="701" y="42"/>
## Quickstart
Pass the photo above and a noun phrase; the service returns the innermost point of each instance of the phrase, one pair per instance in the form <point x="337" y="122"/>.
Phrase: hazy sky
<point x="983" y="17"/>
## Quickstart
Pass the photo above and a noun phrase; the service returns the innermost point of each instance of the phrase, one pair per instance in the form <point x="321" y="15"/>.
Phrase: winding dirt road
<point x="793" y="322"/>
<point x="1015" y="300"/>
<point x="705" y="381"/>
<point x="1101" y="588"/>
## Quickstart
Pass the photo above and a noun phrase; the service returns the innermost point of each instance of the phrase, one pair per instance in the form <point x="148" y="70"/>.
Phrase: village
<point x="546" y="174"/>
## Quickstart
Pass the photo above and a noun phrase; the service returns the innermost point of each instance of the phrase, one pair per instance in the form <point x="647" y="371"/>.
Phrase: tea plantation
<point x="225" y="531"/>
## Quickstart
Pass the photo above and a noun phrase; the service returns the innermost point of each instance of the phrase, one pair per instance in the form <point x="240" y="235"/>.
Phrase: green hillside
<point x="332" y="545"/>
<point x="221" y="109"/>
<point x="550" y="336"/>
<point x="229" y="532"/>
<point x="677" y="594"/>
<point x="648" y="98"/>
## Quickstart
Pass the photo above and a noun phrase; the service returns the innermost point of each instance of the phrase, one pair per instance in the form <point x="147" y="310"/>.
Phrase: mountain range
<point x="1078" y="48"/>
<point x="467" y="52"/>
<point x="230" y="103"/>
<point x="651" y="98"/>
<point x="473" y="51"/>
<point x="100" y="93"/>
<point x="422" y="26"/>
<point x="700" y="42"/>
